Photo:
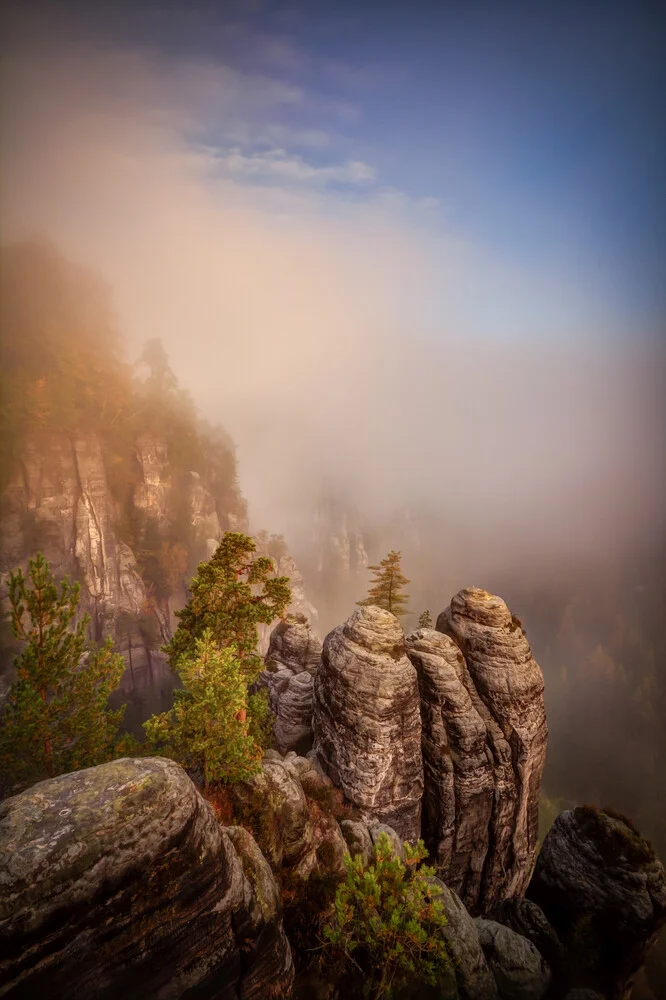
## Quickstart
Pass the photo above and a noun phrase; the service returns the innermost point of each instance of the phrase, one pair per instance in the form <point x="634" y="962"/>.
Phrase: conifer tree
<point x="207" y="729"/>
<point x="385" y="589"/>
<point x="231" y="594"/>
<point x="55" y="717"/>
<point x="425" y="619"/>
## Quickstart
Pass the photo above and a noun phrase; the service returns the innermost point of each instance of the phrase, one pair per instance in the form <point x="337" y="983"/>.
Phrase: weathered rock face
<point x="520" y="972"/>
<point x="459" y="782"/>
<point x="293" y="725"/>
<point x="367" y="724"/>
<point x="505" y="688"/>
<point x="603" y="891"/>
<point x="295" y="838"/>
<point x="474" y="980"/>
<point x="119" y="881"/>
<point x="527" y="919"/>
<point x="294" y="645"/>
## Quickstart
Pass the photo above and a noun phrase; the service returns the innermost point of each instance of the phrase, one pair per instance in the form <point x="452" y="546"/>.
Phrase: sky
<point x="419" y="245"/>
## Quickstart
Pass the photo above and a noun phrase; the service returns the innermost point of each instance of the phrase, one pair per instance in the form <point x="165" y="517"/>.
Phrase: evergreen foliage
<point x="208" y="730"/>
<point x="386" y="588"/>
<point x="425" y="619"/>
<point x="231" y="594"/>
<point x="55" y="718"/>
<point x="387" y="921"/>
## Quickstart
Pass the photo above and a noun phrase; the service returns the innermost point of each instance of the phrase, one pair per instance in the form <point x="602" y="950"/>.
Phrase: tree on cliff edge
<point x="231" y="594"/>
<point x="55" y="718"/>
<point x="386" y="588"/>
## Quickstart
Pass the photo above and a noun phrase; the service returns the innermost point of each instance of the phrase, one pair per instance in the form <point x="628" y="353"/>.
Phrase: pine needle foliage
<point x="55" y="717"/>
<point x="425" y="619"/>
<point x="387" y="921"/>
<point x="231" y="594"/>
<point x="208" y="730"/>
<point x="386" y="587"/>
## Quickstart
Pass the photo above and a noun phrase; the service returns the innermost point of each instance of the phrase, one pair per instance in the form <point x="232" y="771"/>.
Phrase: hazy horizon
<point x="480" y="342"/>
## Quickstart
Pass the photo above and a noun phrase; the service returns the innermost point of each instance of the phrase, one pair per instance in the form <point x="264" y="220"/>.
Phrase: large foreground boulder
<point x="499" y="684"/>
<point x="119" y="881"/>
<point x="367" y="723"/>
<point x="603" y="890"/>
<point x="520" y="971"/>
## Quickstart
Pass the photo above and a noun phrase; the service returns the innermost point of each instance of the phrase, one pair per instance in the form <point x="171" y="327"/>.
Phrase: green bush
<point x="387" y="921"/>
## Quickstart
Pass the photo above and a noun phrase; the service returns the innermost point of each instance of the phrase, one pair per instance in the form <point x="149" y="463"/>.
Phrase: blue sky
<point x="533" y="130"/>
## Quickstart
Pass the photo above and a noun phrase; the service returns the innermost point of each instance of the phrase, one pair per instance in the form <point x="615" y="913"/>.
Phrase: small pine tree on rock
<point x="386" y="588"/>
<point x="208" y="730"/>
<point x="425" y="619"/>
<point x="55" y="717"/>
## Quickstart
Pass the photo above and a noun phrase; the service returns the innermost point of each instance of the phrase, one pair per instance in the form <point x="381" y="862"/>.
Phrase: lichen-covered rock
<point x="119" y="881"/>
<point x="367" y="723"/>
<point x="603" y="890"/>
<point x="293" y="725"/>
<point x="505" y="686"/>
<point x="519" y="970"/>
<point x="458" y="770"/>
<point x="473" y="978"/>
<point x="293" y="644"/>
<point x="358" y="839"/>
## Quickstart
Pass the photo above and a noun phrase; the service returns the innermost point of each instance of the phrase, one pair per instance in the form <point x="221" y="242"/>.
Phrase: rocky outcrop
<point x="603" y="890"/>
<point x="291" y="662"/>
<point x="293" y="724"/>
<point x="367" y="725"/>
<point x="473" y="978"/>
<point x="520" y="972"/>
<point x="293" y="644"/>
<point x="296" y="839"/>
<point x="505" y="689"/>
<point x="459" y="785"/>
<point x="527" y="919"/>
<point x="119" y="881"/>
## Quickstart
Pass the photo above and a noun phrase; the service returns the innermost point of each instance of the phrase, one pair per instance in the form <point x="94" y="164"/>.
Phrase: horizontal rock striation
<point x="505" y="689"/>
<point x="119" y="881"/>
<point x="367" y="725"/>
<point x="459" y="784"/>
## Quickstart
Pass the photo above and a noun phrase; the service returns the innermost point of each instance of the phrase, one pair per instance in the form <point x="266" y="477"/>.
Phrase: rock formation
<point x="119" y="881"/>
<point x="473" y="978"/>
<point x="293" y="725"/>
<point x="459" y="783"/>
<point x="603" y="891"/>
<point x="505" y="689"/>
<point x="294" y="645"/>
<point x="519" y="970"/>
<point x="367" y="725"/>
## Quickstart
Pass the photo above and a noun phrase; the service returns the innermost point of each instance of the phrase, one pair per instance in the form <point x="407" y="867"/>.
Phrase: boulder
<point x="520" y="972"/>
<point x="473" y="978"/>
<point x="118" y="880"/>
<point x="527" y="919"/>
<point x="358" y="839"/>
<point x="397" y="846"/>
<point x="294" y="645"/>
<point x="367" y="724"/>
<point x="603" y="890"/>
<point x="505" y="687"/>
<point x="293" y="725"/>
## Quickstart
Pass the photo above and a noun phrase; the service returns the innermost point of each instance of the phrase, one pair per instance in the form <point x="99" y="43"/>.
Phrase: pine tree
<point x="207" y="729"/>
<point x="385" y="589"/>
<point x="55" y="718"/>
<point x="226" y="599"/>
<point x="425" y="619"/>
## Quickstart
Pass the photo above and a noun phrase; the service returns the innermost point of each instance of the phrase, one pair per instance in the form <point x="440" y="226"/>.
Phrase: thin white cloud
<point x="277" y="163"/>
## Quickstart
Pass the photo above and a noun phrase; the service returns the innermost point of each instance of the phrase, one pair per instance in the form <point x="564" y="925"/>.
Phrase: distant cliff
<point x="107" y="470"/>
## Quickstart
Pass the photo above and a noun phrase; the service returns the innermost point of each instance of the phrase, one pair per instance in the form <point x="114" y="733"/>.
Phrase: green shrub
<point x="387" y="922"/>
